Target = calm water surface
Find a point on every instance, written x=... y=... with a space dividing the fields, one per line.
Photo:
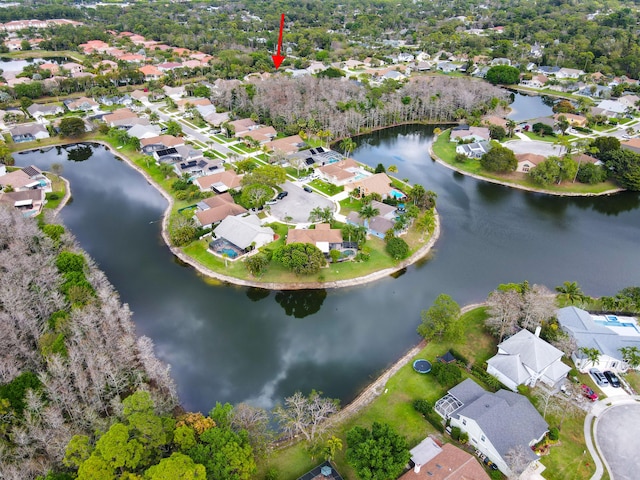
x=234 y=344
x=527 y=107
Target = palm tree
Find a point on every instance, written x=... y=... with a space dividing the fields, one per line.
x=367 y=212
x=347 y=146
x=570 y=293
x=592 y=355
x=511 y=126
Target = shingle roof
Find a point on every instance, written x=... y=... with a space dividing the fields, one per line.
x=534 y=352
x=241 y=231
x=511 y=367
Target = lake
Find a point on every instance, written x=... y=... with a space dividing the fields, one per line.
x=527 y=107
x=233 y=344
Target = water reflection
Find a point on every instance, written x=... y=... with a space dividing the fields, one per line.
x=612 y=205
x=79 y=153
x=257 y=294
x=301 y=303
x=492 y=193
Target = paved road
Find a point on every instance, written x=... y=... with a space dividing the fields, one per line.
x=298 y=204
x=618 y=437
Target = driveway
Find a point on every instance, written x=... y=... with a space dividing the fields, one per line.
x=617 y=434
x=298 y=204
x=546 y=149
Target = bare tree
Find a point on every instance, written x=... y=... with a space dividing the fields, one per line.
x=565 y=343
x=538 y=304
x=255 y=421
x=504 y=309
x=306 y=416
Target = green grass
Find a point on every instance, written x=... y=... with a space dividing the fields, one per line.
x=446 y=151
x=541 y=138
x=235 y=148
x=223 y=139
x=634 y=380
x=327 y=188
x=244 y=148
x=350 y=205
x=395 y=405
x=263 y=156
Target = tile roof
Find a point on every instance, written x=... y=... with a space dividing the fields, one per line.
x=322 y=233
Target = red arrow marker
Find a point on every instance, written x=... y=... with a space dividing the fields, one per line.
x=277 y=58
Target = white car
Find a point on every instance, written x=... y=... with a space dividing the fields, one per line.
x=271 y=202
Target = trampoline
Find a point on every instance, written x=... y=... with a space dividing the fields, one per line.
x=422 y=366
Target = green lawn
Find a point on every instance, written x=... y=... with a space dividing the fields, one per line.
x=223 y=139
x=395 y=405
x=328 y=189
x=350 y=205
x=59 y=189
x=446 y=151
x=236 y=149
x=541 y=138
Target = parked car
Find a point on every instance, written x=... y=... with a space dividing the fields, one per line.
x=613 y=379
x=589 y=393
x=307 y=189
x=599 y=377
x=490 y=464
x=271 y=202
x=282 y=194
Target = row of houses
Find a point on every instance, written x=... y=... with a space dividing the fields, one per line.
x=27 y=187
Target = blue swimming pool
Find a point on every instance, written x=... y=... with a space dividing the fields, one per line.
x=616 y=323
x=396 y=193
x=360 y=176
x=230 y=252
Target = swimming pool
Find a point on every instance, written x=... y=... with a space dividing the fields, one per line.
x=231 y=253
x=396 y=193
x=360 y=176
x=616 y=323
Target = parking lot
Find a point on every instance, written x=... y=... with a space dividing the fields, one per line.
x=298 y=204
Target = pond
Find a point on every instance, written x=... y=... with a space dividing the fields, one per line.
x=527 y=107
x=233 y=344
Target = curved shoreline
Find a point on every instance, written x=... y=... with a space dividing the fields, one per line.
x=177 y=252
x=517 y=186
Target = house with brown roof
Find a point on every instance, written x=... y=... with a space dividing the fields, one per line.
x=378 y=183
x=29 y=202
x=114 y=118
x=526 y=161
x=573 y=119
x=434 y=461
x=261 y=135
x=323 y=236
x=82 y=104
x=193 y=102
x=54 y=68
x=27 y=178
x=495 y=120
x=219 y=182
x=342 y=172
x=161 y=142
x=132 y=58
x=241 y=126
x=150 y=72
x=630 y=101
x=466 y=132
x=582 y=158
x=286 y=145
x=213 y=210
x=632 y=144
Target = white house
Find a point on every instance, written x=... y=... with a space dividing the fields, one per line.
x=244 y=232
x=606 y=333
x=569 y=73
x=525 y=358
x=612 y=108
x=495 y=422
x=473 y=150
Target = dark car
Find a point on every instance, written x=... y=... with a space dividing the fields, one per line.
x=282 y=194
x=490 y=464
x=614 y=381
x=589 y=393
x=307 y=189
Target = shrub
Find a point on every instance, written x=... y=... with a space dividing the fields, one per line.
x=52 y=196
x=455 y=433
x=397 y=248
x=15 y=390
x=272 y=474
x=446 y=374
x=335 y=255
x=464 y=437
x=422 y=406
x=554 y=434
x=70 y=262
x=461 y=158
x=53 y=231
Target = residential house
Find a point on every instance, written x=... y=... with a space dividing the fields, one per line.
x=394 y=75
x=150 y=72
x=191 y=102
x=144 y=131
x=168 y=155
x=213 y=210
x=546 y=70
x=526 y=161
x=219 y=182
x=537 y=81
x=324 y=471
x=27 y=178
x=495 y=120
x=261 y=135
x=630 y=101
x=29 y=132
x=447 y=67
x=605 y=333
x=433 y=461
x=140 y=95
x=212 y=117
x=54 y=68
x=110 y=100
x=168 y=66
x=323 y=236
x=38 y=111
x=467 y=133
x=378 y=183
x=82 y=104
x=175 y=93
x=524 y=358
x=473 y=150
x=378 y=225
x=632 y=144
x=569 y=73
x=238 y=127
x=500 y=61
x=161 y=142
x=116 y=117
x=198 y=167
x=246 y=233
x=611 y=108
x=136 y=58
x=29 y=202
x=582 y=158
x=287 y=145
x=73 y=68
x=341 y=172
x=496 y=423
x=573 y=119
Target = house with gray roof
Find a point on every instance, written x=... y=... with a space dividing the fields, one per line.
x=606 y=333
x=496 y=423
x=29 y=132
x=474 y=149
x=244 y=232
x=38 y=111
x=524 y=358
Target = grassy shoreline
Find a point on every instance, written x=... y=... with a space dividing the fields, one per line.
x=444 y=151
x=337 y=275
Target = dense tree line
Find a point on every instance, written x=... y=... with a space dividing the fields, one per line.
x=343 y=108
x=68 y=348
